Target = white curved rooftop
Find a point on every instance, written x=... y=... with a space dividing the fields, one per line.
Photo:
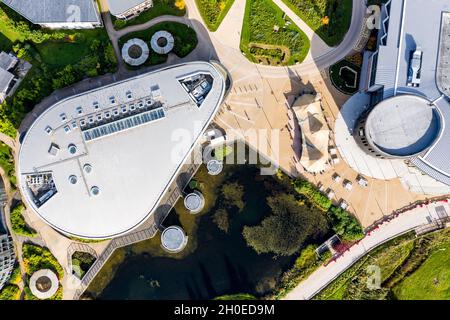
x=403 y=125
x=131 y=164
x=169 y=42
x=133 y=44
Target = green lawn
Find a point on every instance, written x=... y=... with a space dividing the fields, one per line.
x=269 y=38
x=72 y=49
x=185 y=40
x=330 y=19
x=160 y=8
x=411 y=268
x=213 y=11
x=431 y=281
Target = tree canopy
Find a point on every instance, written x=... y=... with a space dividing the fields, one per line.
x=287 y=228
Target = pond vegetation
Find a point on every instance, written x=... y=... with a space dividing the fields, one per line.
x=218 y=259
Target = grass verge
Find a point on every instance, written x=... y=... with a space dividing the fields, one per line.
x=213 y=12
x=269 y=37
x=330 y=19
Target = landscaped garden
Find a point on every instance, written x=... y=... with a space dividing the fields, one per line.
x=11 y=290
x=36 y=258
x=59 y=58
x=213 y=11
x=270 y=37
x=345 y=76
x=18 y=223
x=81 y=263
x=257 y=232
x=411 y=268
x=330 y=19
x=160 y=8
x=184 y=36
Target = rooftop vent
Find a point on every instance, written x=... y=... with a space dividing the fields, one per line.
x=54 y=149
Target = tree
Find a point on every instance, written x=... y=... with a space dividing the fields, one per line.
x=222 y=220
x=233 y=194
x=345 y=225
x=287 y=228
x=64 y=77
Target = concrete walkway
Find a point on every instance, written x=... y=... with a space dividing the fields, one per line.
x=326 y=274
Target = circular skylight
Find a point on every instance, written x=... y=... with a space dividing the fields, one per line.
x=95 y=191
x=87 y=168
x=73 y=179
x=72 y=149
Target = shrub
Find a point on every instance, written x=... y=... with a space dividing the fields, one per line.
x=233 y=194
x=18 y=223
x=36 y=258
x=304 y=265
x=221 y=219
x=237 y=296
x=82 y=262
x=309 y=190
x=345 y=224
x=10 y=292
x=119 y=23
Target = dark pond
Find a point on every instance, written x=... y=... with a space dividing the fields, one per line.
x=221 y=264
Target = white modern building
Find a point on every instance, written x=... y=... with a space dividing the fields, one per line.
x=128 y=9
x=97 y=164
x=407 y=81
x=7 y=255
x=58 y=14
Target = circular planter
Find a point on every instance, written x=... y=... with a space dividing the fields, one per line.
x=44 y=284
x=173 y=239
x=162 y=42
x=135 y=52
x=194 y=202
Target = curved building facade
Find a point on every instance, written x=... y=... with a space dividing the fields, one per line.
x=96 y=165
x=403 y=126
